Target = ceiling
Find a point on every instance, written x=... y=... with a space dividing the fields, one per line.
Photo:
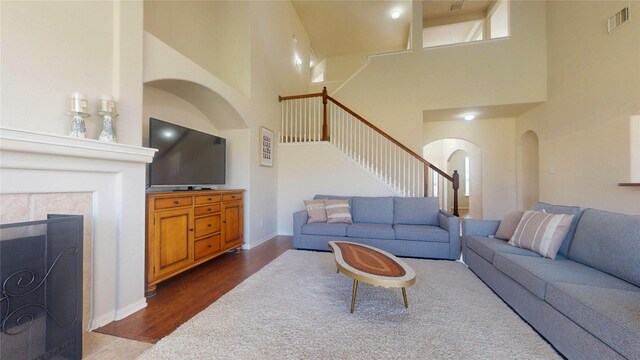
x=341 y=27
x=435 y=9
x=349 y=27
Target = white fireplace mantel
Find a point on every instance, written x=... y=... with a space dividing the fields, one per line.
x=32 y=162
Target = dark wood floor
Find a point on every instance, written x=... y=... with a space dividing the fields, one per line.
x=181 y=297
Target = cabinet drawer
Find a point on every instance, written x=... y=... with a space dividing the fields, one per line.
x=207 y=199
x=172 y=202
x=207 y=225
x=231 y=197
x=206 y=247
x=203 y=210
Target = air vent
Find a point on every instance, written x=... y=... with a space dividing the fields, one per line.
x=618 y=19
x=457 y=5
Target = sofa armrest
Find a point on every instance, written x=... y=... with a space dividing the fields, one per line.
x=471 y=227
x=299 y=218
x=451 y=224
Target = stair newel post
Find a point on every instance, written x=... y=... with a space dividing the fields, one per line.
x=456 y=186
x=325 y=132
x=426 y=179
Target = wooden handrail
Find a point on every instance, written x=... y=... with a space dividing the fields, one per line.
x=396 y=142
x=294 y=97
x=444 y=174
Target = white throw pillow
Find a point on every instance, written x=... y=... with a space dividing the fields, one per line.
x=541 y=232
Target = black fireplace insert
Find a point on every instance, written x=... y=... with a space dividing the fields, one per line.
x=41 y=289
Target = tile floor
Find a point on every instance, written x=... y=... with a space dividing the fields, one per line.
x=96 y=346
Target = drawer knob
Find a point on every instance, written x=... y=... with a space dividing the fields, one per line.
x=176 y=202
x=209 y=225
x=208 y=246
x=190 y=229
x=209 y=199
x=209 y=209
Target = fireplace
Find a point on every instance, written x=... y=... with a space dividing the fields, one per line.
x=58 y=173
x=41 y=288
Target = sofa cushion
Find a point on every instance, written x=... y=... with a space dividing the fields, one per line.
x=609 y=242
x=487 y=248
x=415 y=210
x=541 y=232
x=316 y=211
x=611 y=315
x=533 y=273
x=372 y=210
x=508 y=225
x=421 y=233
x=337 y=229
x=562 y=209
x=338 y=211
x=372 y=231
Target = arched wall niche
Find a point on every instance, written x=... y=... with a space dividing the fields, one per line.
x=219 y=111
x=529 y=170
x=439 y=153
x=167 y=69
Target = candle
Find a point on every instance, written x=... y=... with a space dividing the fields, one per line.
x=107 y=104
x=78 y=102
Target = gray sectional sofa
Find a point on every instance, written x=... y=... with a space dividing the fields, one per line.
x=402 y=226
x=586 y=302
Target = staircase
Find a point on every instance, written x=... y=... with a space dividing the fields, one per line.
x=319 y=117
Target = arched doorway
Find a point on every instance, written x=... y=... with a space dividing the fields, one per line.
x=529 y=170
x=445 y=154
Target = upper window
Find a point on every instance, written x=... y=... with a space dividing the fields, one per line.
x=475 y=21
x=499 y=20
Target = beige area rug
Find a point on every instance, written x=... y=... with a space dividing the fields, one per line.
x=297 y=307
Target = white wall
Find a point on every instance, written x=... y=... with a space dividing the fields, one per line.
x=496 y=139
x=46 y=56
x=594 y=87
x=318 y=168
x=394 y=90
x=214 y=34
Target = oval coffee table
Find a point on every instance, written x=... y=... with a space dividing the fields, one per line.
x=373 y=266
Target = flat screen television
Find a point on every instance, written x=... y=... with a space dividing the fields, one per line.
x=185 y=157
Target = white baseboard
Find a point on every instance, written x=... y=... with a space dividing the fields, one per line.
x=130 y=309
x=258 y=242
x=103 y=320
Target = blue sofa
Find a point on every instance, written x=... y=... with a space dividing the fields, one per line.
x=586 y=302
x=403 y=226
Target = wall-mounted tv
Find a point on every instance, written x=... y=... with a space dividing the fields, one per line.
x=185 y=157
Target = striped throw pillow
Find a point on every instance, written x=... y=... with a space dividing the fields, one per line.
x=316 y=211
x=541 y=232
x=338 y=211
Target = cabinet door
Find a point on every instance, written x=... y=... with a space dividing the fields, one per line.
x=173 y=239
x=232 y=224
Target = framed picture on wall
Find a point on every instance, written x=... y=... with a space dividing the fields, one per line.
x=266 y=146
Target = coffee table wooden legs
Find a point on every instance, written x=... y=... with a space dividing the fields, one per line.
x=355 y=290
x=404 y=296
x=353 y=296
